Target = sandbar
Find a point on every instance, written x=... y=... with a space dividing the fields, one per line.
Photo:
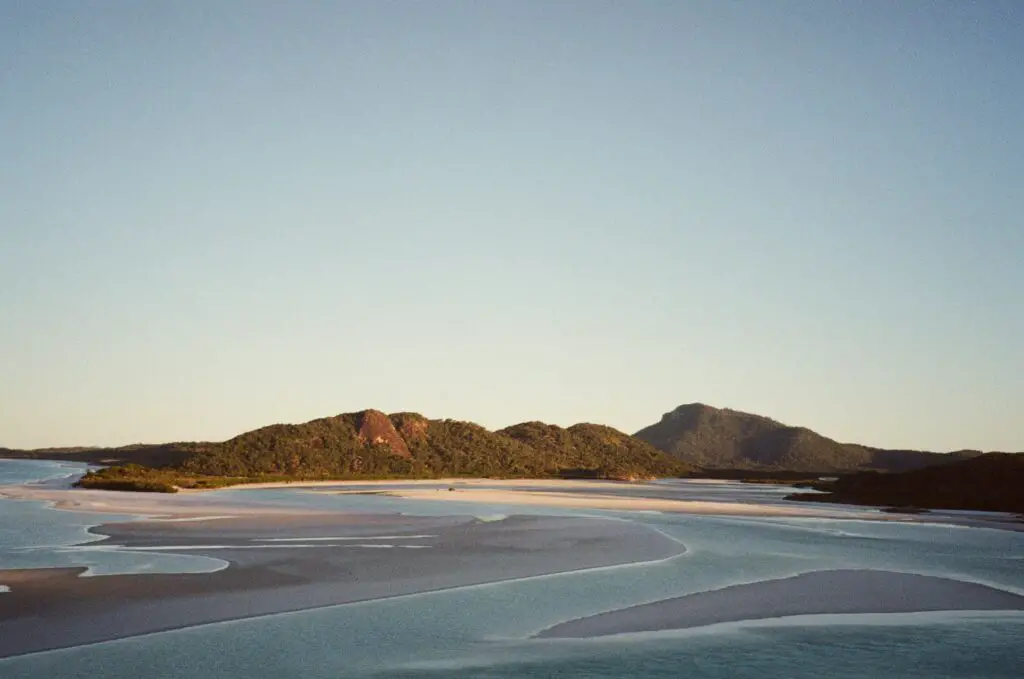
x=197 y=503
x=556 y=493
x=818 y=592
x=298 y=562
x=613 y=502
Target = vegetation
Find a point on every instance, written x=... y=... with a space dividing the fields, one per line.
x=990 y=482
x=372 y=445
x=592 y=450
x=131 y=477
x=149 y=455
x=727 y=439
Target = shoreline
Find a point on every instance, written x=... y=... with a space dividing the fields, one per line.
x=561 y=494
x=468 y=481
x=555 y=493
x=152 y=506
x=614 y=503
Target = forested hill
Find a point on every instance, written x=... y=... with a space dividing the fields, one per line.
x=719 y=438
x=584 y=447
x=146 y=454
x=371 y=444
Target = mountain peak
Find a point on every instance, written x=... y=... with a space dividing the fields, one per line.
x=690 y=408
x=689 y=412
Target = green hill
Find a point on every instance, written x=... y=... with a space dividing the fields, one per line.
x=147 y=454
x=370 y=444
x=990 y=482
x=594 y=450
x=718 y=438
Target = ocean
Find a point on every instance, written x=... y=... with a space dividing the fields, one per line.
x=486 y=630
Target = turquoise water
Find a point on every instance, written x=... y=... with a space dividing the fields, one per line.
x=32 y=535
x=485 y=630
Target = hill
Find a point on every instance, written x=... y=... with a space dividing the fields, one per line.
x=719 y=438
x=149 y=455
x=989 y=482
x=585 y=447
x=370 y=444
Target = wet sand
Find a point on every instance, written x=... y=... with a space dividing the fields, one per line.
x=820 y=592
x=297 y=562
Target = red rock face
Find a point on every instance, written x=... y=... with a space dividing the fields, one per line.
x=411 y=426
x=375 y=428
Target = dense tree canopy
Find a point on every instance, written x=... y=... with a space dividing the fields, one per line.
x=370 y=444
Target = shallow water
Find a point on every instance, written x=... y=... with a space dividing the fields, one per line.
x=486 y=630
x=33 y=535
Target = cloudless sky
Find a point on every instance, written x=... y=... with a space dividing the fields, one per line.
x=219 y=215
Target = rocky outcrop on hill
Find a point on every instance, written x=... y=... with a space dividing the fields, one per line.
x=375 y=428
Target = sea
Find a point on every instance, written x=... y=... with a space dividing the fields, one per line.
x=486 y=630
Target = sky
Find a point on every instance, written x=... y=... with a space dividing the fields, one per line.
x=217 y=215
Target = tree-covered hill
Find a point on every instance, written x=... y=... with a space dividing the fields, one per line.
x=371 y=444
x=593 y=449
x=720 y=438
x=147 y=454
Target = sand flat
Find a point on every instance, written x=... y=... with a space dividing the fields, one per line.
x=292 y=563
x=818 y=592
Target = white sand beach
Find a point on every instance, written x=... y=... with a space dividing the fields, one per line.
x=525 y=492
x=141 y=504
x=513 y=496
x=456 y=482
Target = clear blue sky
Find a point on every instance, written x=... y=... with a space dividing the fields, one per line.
x=220 y=215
